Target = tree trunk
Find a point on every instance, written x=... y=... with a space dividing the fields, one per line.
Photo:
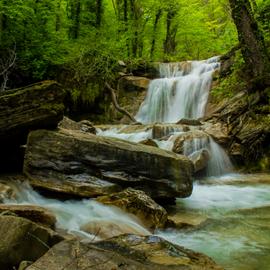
x=58 y=16
x=250 y=38
x=153 y=43
x=170 y=43
x=75 y=18
x=98 y=13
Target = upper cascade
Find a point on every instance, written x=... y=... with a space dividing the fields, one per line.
x=181 y=92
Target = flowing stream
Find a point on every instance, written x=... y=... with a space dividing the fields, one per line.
x=230 y=212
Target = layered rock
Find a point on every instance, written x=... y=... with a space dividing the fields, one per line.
x=34 y=213
x=76 y=163
x=125 y=252
x=84 y=125
x=21 y=110
x=138 y=203
x=22 y=240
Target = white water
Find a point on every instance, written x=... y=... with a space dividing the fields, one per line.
x=71 y=215
x=182 y=92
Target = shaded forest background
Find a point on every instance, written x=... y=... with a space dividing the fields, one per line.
x=80 y=42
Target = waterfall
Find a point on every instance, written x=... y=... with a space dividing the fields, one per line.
x=219 y=162
x=181 y=92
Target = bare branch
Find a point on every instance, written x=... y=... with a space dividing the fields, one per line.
x=117 y=106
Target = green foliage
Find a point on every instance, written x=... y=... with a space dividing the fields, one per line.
x=91 y=40
x=228 y=86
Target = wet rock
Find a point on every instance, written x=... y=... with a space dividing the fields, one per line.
x=84 y=125
x=189 y=122
x=184 y=143
x=23 y=240
x=21 y=110
x=6 y=192
x=128 y=252
x=136 y=202
x=200 y=159
x=133 y=83
x=74 y=162
x=34 y=213
x=183 y=220
x=163 y=130
x=104 y=229
x=149 y=142
x=218 y=131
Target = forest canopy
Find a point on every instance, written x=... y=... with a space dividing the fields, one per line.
x=48 y=33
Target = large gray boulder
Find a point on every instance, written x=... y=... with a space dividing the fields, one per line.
x=128 y=252
x=87 y=165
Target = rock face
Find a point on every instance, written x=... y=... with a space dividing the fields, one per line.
x=21 y=110
x=34 y=213
x=22 y=240
x=127 y=252
x=138 y=203
x=74 y=162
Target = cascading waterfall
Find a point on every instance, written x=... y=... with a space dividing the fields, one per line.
x=181 y=92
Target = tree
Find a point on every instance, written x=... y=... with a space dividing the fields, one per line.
x=251 y=39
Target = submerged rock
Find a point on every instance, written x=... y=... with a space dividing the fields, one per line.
x=138 y=203
x=104 y=229
x=23 y=240
x=34 y=213
x=86 y=165
x=128 y=252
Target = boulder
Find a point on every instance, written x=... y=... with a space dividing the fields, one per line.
x=189 y=122
x=163 y=130
x=185 y=143
x=149 y=142
x=87 y=165
x=133 y=83
x=104 y=229
x=218 y=131
x=136 y=202
x=128 y=252
x=21 y=110
x=200 y=159
x=23 y=240
x=34 y=213
x=84 y=125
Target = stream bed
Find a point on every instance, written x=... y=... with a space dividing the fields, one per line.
x=235 y=214
x=231 y=213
